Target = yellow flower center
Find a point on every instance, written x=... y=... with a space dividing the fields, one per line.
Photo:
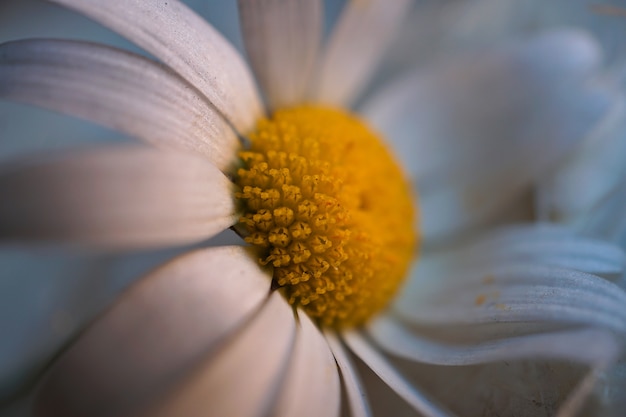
x=329 y=210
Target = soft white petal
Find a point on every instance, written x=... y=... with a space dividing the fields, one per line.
x=385 y=371
x=473 y=160
x=117 y=89
x=161 y=327
x=357 y=397
x=517 y=275
x=282 y=41
x=188 y=44
x=514 y=294
x=311 y=387
x=570 y=345
x=117 y=197
x=494 y=292
x=241 y=379
x=539 y=244
x=355 y=48
x=588 y=177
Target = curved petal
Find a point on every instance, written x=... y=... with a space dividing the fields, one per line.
x=116 y=89
x=472 y=160
x=311 y=387
x=515 y=294
x=116 y=197
x=359 y=406
x=588 y=178
x=161 y=327
x=539 y=244
x=243 y=378
x=282 y=40
x=354 y=50
x=184 y=41
x=570 y=345
x=385 y=371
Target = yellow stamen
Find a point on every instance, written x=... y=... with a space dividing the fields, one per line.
x=329 y=210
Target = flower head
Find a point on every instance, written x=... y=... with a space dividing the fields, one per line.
x=328 y=216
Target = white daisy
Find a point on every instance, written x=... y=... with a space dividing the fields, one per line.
x=263 y=329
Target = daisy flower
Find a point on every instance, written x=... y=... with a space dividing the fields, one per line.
x=330 y=270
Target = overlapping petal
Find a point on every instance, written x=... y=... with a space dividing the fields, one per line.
x=117 y=89
x=365 y=29
x=162 y=328
x=355 y=392
x=473 y=159
x=241 y=379
x=311 y=387
x=117 y=197
x=282 y=41
x=189 y=45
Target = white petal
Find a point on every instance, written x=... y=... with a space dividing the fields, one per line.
x=161 y=327
x=311 y=386
x=472 y=160
x=354 y=50
x=570 y=345
x=539 y=244
x=589 y=176
x=117 y=197
x=515 y=293
x=184 y=41
x=385 y=371
x=282 y=40
x=359 y=406
x=243 y=377
x=117 y=89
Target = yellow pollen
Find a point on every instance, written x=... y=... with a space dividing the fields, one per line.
x=329 y=210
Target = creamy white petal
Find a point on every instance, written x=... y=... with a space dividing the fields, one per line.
x=118 y=197
x=311 y=386
x=159 y=329
x=568 y=344
x=471 y=159
x=364 y=30
x=357 y=397
x=116 y=89
x=282 y=40
x=188 y=44
x=243 y=378
x=386 y=372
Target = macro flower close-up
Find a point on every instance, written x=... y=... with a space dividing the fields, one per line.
x=399 y=209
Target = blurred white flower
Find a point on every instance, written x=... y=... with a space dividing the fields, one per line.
x=207 y=333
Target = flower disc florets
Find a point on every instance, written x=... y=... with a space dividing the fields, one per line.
x=330 y=211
